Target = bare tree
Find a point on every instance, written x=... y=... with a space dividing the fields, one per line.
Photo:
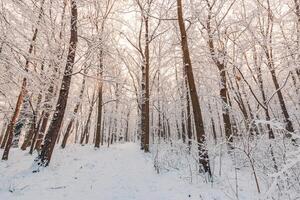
x=203 y=154
x=55 y=125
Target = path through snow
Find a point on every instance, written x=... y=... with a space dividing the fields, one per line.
x=121 y=172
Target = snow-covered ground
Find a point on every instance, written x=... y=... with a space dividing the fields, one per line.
x=121 y=172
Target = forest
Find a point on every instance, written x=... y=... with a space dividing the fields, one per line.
x=150 y=99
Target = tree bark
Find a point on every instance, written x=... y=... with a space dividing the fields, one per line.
x=145 y=137
x=9 y=130
x=203 y=153
x=222 y=71
x=70 y=125
x=188 y=111
x=85 y=134
x=99 y=108
x=55 y=125
x=2 y=133
x=22 y=92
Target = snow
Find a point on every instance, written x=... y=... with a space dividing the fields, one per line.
x=121 y=172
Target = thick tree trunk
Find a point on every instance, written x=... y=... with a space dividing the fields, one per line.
x=55 y=125
x=203 y=153
x=51 y=92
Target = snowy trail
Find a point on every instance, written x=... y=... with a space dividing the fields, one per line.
x=121 y=172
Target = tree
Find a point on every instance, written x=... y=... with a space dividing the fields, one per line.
x=76 y=108
x=55 y=125
x=203 y=154
x=10 y=127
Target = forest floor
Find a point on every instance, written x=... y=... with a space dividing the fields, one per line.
x=121 y=172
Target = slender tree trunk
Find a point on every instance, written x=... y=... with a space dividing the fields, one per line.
x=100 y=93
x=9 y=130
x=99 y=110
x=76 y=131
x=4 y=136
x=109 y=132
x=29 y=135
x=21 y=121
x=85 y=134
x=268 y=50
x=2 y=133
x=188 y=111
x=70 y=125
x=145 y=91
x=36 y=131
x=222 y=70
x=115 y=123
x=127 y=127
x=288 y=122
x=213 y=126
x=297 y=12
x=266 y=109
x=42 y=130
x=103 y=129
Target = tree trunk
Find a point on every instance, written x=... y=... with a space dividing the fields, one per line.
x=4 y=136
x=55 y=125
x=35 y=133
x=297 y=12
x=100 y=93
x=99 y=107
x=21 y=121
x=22 y=93
x=222 y=71
x=288 y=122
x=70 y=125
x=10 y=127
x=188 y=111
x=30 y=134
x=2 y=133
x=127 y=127
x=85 y=134
x=145 y=136
x=203 y=153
